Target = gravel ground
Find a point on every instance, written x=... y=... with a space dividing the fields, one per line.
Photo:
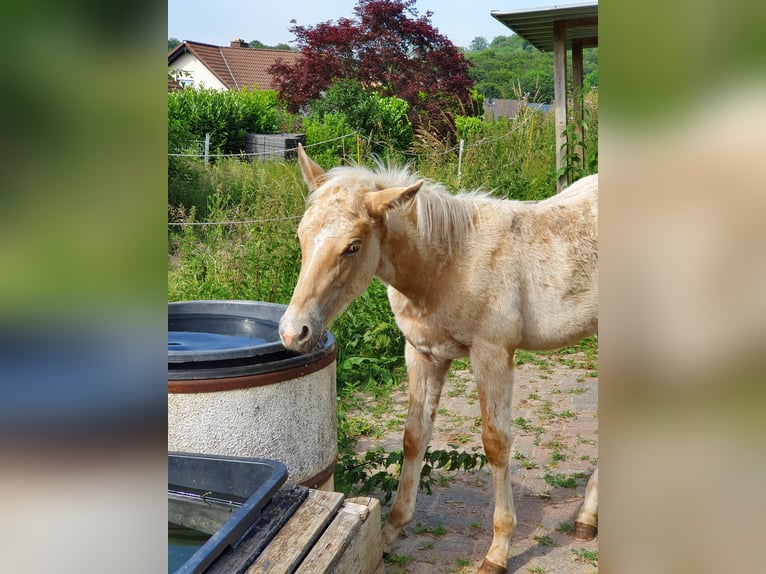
x=555 y=436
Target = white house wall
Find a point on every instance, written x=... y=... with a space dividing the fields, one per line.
x=203 y=78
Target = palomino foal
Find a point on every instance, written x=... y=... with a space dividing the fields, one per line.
x=467 y=275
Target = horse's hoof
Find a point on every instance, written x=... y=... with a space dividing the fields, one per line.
x=488 y=567
x=584 y=531
x=387 y=536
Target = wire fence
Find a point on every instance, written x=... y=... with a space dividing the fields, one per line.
x=460 y=148
x=201 y=153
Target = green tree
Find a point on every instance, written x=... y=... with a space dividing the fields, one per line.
x=172 y=43
x=479 y=43
x=511 y=67
x=261 y=45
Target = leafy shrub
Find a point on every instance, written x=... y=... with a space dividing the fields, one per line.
x=371 y=346
x=370 y=472
x=226 y=115
x=325 y=138
x=381 y=120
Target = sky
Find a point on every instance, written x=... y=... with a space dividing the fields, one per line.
x=221 y=21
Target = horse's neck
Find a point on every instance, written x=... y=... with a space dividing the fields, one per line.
x=410 y=263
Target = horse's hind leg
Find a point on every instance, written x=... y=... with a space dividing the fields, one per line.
x=493 y=369
x=586 y=524
x=426 y=377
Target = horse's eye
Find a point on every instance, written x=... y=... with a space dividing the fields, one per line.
x=353 y=248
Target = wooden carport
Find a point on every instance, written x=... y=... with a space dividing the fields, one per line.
x=557 y=29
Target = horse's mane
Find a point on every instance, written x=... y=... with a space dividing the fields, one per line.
x=442 y=216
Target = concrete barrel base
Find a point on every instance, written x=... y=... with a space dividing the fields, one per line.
x=287 y=414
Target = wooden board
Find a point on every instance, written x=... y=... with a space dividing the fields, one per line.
x=351 y=544
x=296 y=538
x=283 y=504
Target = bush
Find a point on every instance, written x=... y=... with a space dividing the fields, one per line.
x=226 y=115
x=381 y=120
x=325 y=138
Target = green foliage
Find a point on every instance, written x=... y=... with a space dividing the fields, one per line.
x=382 y=120
x=585 y=555
x=373 y=346
x=543 y=540
x=468 y=126
x=513 y=158
x=257 y=261
x=370 y=472
x=329 y=138
x=509 y=62
x=580 y=157
x=559 y=480
x=262 y=46
x=226 y=115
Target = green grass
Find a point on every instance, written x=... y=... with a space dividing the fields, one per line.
x=543 y=540
x=585 y=555
x=399 y=560
x=558 y=480
x=438 y=531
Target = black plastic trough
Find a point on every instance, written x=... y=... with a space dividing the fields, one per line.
x=218 y=495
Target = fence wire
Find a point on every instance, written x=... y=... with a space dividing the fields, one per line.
x=457 y=148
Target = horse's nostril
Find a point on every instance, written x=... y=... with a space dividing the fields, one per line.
x=305 y=334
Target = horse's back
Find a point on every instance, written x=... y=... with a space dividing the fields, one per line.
x=584 y=189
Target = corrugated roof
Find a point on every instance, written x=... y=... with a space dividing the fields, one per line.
x=236 y=67
x=536 y=26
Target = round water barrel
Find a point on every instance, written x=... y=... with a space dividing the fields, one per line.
x=234 y=390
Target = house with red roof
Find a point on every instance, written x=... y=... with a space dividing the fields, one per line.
x=194 y=64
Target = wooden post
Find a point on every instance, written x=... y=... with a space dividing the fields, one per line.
x=560 y=96
x=577 y=93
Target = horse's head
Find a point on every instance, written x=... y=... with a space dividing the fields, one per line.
x=340 y=237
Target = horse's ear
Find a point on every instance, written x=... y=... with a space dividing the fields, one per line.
x=378 y=202
x=313 y=175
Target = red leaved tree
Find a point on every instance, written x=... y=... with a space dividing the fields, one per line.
x=388 y=47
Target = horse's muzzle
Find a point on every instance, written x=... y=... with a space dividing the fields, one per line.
x=298 y=335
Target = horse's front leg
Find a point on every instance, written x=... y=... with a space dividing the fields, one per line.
x=493 y=370
x=426 y=376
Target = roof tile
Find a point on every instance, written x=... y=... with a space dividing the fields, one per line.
x=237 y=67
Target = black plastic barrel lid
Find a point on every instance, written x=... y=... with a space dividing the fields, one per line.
x=222 y=339
x=216 y=331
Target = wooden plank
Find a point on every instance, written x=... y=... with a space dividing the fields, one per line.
x=560 y=95
x=288 y=548
x=351 y=544
x=327 y=551
x=585 y=22
x=365 y=553
x=275 y=514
